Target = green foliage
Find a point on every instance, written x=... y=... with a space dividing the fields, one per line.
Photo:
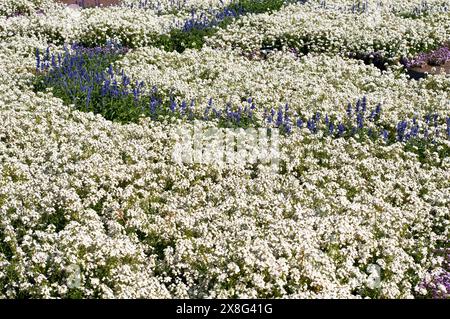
x=260 y=6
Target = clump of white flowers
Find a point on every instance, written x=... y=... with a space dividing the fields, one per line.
x=97 y=209
x=91 y=26
x=308 y=84
x=177 y=6
x=24 y=7
x=315 y=28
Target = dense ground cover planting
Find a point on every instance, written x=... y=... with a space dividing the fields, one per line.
x=94 y=201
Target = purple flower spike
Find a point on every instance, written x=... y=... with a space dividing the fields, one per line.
x=349 y=109
x=448 y=127
x=360 y=121
x=331 y=128
x=38 y=59
x=341 y=129
x=279 y=120
x=385 y=135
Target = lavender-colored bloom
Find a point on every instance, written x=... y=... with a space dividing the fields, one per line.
x=287 y=119
x=153 y=104
x=341 y=129
x=53 y=61
x=349 y=109
x=299 y=123
x=183 y=106
x=104 y=89
x=38 y=59
x=385 y=135
x=372 y=115
x=436 y=132
x=407 y=137
x=47 y=54
x=364 y=104
x=237 y=116
x=378 y=109
x=135 y=94
x=279 y=120
x=217 y=114
x=317 y=116
x=414 y=131
x=331 y=128
x=360 y=121
x=110 y=71
x=401 y=128
x=288 y=128
x=448 y=127
x=115 y=89
x=206 y=112
x=228 y=110
x=286 y=113
x=311 y=125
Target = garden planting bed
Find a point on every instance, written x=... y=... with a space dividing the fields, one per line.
x=224 y=149
x=91 y=3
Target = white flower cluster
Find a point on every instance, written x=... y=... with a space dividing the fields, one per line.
x=93 y=208
x=13 y=7
x=177 y=6
x=401 y=7
x=91 y=26
x=131 y=25
x=317 y=29
x=309 y=84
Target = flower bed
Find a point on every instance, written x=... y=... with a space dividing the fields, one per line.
x=91 y=3
x=116 y=181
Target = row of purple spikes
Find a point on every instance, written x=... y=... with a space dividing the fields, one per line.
x=356 y=123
